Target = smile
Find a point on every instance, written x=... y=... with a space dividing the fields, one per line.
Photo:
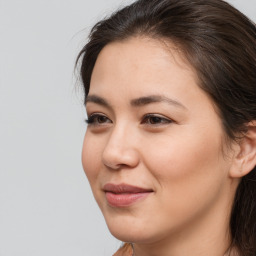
x=124 y=195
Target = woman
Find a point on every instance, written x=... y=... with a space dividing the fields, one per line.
x=170 y=148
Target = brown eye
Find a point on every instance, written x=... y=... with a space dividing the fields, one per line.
x=101 y=119
x=97 y=119
x=152 y=119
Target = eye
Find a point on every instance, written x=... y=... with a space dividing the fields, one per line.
x=153 y=119
x=97 y=119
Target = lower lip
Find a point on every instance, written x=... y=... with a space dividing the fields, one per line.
x=123 y=200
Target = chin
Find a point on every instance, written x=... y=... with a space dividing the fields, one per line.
x=133 y=231
x=127 y=230
x=129 y=235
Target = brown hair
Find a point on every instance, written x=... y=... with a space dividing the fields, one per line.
x=220 y=43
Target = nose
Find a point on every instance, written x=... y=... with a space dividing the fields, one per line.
x=121 y=149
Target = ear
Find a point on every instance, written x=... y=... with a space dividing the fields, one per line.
x=245 y=159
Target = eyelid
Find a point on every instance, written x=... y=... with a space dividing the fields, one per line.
x=161 y=117
x=91 y=119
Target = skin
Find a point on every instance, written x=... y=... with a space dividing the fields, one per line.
x=178 y=155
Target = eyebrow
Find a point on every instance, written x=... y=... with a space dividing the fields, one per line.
x=139 y=102
x=142 y=101
x=98 y=100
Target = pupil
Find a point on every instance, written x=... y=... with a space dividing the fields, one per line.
x=101 y=119
x=155 y=119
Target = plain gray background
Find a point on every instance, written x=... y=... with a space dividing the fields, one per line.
x=46 y=206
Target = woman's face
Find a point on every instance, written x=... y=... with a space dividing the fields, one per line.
x=153 y=147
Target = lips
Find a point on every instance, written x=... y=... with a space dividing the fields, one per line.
x=123 y=195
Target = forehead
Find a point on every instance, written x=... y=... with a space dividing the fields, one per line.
x=139 y=65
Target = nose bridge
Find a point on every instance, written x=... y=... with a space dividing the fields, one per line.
x=118 y=136
x=121 y=147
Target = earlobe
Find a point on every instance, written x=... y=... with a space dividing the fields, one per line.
x=245 y=159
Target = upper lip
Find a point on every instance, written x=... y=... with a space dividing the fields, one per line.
x=124 y=188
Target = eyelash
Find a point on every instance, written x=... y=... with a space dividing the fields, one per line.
x=147 y=119
x=159 y=120
x=92 y=119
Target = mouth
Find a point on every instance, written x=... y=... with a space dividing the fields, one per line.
x=124 y=195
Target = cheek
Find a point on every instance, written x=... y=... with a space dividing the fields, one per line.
x=187 y=167
x=90 y=158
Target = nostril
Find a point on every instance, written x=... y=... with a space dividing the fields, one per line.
x=112 y=165
x=116 y=159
